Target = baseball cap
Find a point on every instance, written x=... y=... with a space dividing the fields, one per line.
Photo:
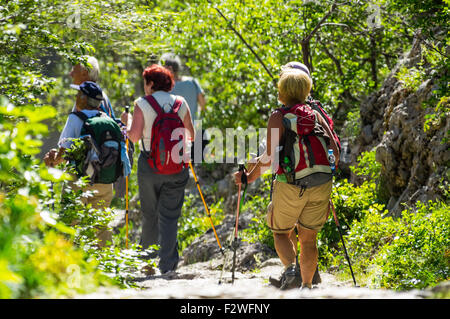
x=89 y=88
x=296 y=65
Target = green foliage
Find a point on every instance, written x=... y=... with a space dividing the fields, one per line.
x=258 y=231
x=194 y=220
x=367 y=166
x=344 y=53
x=412 y=78
x=386 y=252
x=405 y=253
x=35 y=254
x=352 y=126
x=426 y=15
x=438 y=104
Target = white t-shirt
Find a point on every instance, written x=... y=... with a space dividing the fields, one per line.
x=165 y=100
x=72 y=129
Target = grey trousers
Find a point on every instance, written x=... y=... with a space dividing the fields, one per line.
x=162 y=197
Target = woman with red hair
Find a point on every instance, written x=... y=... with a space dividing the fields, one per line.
x=161 y=193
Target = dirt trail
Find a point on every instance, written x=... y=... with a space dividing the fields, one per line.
x=201 y=281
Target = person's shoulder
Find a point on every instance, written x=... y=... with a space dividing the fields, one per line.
x=178 y=97
x=186 y=78
x=276 y=118
x=276 y=114
x=141 y=102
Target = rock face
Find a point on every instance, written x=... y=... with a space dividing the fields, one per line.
x=415 y=163
x=205 y=247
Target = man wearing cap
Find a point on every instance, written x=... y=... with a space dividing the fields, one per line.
x=91 y=72
x=88 y=99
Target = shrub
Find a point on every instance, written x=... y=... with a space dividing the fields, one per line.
x=194 y=221
x=418 y=255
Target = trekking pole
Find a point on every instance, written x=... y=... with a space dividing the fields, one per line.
x=206 y=207
x=52 y=196
x=342 y=239
x=235 y=243
x=127 y=110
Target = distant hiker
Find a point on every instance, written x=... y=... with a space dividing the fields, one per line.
x=157 y=121
x=105 y=159
x=189 y=88
x=297 y=142
x=91 y=72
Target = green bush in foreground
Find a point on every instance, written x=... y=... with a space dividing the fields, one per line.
x=418 y=254
x=404 y=253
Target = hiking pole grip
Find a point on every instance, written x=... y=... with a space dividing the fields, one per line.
x=244 y=174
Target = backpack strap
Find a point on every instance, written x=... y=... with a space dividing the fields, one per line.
x=152 y=101
x=176 y=105
x=154 y=104
x=80 y=115
x=84 y=117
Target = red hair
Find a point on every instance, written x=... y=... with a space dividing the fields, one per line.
x=161 y=77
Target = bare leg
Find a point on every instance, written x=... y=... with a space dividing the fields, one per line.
x=285 y=248
x=309 y=254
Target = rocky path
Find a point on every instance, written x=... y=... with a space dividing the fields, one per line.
x=201 y=281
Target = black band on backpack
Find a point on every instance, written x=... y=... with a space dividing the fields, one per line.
x=311 y=158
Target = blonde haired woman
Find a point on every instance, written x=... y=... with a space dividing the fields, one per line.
x=292 y=205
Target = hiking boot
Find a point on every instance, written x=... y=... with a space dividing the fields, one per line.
x=316 y=278
x=278 y=282
x=291 y=279
x=307 y=287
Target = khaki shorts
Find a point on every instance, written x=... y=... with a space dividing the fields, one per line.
x=287 y=208
x=102 y=194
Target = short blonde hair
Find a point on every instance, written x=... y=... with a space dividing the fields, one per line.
x=294 y=86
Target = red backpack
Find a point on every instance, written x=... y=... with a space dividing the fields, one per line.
x=304 y=149
x=317 y=106
x=162 y=157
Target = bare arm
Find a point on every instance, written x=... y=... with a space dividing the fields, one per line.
x=201 y=101
x=135 y=129
x=187 y=121
x=274 y=132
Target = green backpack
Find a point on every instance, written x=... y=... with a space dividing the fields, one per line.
x=102 y=159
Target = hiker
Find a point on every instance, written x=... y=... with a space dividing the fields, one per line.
x=87 y=104
x=189 y=88
x=316 y=105
x=91 y=72
x=162 y=177
x=300 y=197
